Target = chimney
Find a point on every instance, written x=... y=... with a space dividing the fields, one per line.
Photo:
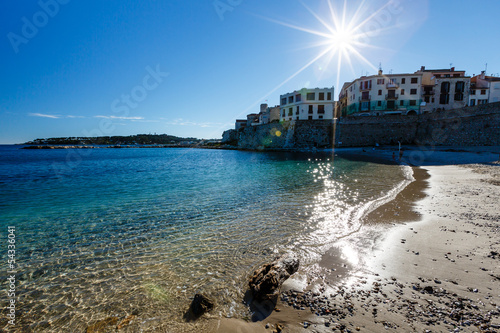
x=380 y=71
x=483 y=75
x=452 y=69
x=422 y=68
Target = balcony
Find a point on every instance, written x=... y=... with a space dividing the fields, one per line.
x=365 y=99
x=392 y=85
x=428 y=92
x=391 y=97
x=362 y=88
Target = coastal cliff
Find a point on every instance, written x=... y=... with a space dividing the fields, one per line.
x=469 y=126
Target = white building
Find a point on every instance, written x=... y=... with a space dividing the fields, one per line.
x=484 y=89
x=307 y=104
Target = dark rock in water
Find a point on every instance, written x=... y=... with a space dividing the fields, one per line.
x=266 y=282
x=199 y=306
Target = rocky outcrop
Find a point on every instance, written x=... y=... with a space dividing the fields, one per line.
x=200 y=305
x=265 y=283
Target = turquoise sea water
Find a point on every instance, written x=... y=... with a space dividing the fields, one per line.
x=111 y=232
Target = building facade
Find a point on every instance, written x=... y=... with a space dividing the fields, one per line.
x=381 y=94
x=307 y=104
x=252 y=119
x=484 y=89
x=240 y=123
x=405 y=94
x=444 y=89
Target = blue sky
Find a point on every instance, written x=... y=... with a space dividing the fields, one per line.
x=190 y=68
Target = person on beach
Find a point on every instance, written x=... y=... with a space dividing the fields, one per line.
x=393 y=156
x=400 y=154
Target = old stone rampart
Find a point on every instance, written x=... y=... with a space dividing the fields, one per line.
x=469 y=126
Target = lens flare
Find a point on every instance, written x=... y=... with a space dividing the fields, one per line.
x=345 y=34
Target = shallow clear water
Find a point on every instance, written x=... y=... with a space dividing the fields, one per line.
x=107 y=232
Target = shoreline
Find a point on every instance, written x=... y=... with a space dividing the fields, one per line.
x=406 y=281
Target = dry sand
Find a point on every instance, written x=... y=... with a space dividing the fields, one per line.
x=438 y=274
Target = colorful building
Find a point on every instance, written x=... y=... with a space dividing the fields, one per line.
x=381 y=94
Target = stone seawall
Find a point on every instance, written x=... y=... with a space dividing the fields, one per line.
x=470 y=126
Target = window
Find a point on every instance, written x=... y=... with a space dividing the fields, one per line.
x=445 y=87
x=391 y=105
x=365 y=85
x=403 y=80
x=427 y=99
x=483 y=92
x=414 y=80
x=413 y=102
x=472 y=102
x=311 y=96
x=321 y=109
x=444 y=98
x=380 y=92
x=298 y=98
x=401 y=103
x=459 y=90
x=380 y=81
x=310 y=109
x=320 y=117
x=290 y=99
x=310 y=117
x=481 y=101
x=402 y=92
x=379 y=103
x=283 y=114
x=392 y=81
x=297 y=111
x=456 y=75
x=329 y=96
x=290 y=111
x=473 y=92
x=413 y=91
x=321 y=96
x=283 y=101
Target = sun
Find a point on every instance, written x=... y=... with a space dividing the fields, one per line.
x=343 y=37
x=343 y=40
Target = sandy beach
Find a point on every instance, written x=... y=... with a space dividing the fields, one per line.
x=434 y=267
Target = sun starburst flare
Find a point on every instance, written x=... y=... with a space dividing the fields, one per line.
x=345 y=35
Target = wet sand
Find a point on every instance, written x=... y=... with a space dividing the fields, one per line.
x=434 y=266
